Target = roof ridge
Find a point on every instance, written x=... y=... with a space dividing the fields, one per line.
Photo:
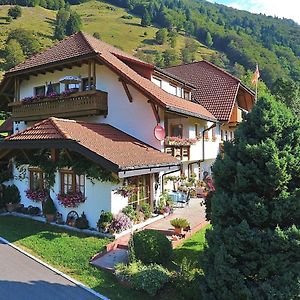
x=54 y=120
x=83 y=34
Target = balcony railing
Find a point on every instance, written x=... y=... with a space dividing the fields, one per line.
x=75 y=105
x=180 y=152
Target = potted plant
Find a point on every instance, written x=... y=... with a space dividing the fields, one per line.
x=179 y=224
x=82 y=222
x=49 y=209
x=104 y=221
x=11 y=197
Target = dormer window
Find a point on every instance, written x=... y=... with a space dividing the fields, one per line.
x=157 y=81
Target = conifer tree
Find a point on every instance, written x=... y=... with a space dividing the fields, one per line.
x=208 y=40
x=146 y=19
x=14 y=53
x=74 y=23
x=253 y=247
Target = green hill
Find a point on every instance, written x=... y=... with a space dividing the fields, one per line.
x=114 y=25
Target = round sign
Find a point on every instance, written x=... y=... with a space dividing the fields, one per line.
x=159 y=132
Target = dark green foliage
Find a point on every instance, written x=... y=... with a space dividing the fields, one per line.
x=15 y=12
x=74 y=23
x=146 y=19
x=49 y=4
x=170 y=58
x=2 y=200
x=11 y=194
x=151 y=279
x=82 y=222
x=104 y=221
x=13 y=53
x=254 y=245
x=151 y=246
x=26 y=38
x=49 y=207
x=146 y=210
x=186 y=280
x=130 y=212
x=62 y=18
x=208 y=40
x=97 y=35
x=161 y=36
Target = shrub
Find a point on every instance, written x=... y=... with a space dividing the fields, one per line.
x=151 y=246
x=180 y=223
x=187 y=280
x=33 y=210
x=82 y=222
x=130 y=212
x=104 y=221
x=120 y=223
x=11 y=194
x=49 y=207
x=15 y=12
x=151 y=279
x=146 y=210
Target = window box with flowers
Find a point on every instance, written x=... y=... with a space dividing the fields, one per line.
x=36 y=195
x=71 y=199
x=178 y=141
x=36 y=191
x=72 y=189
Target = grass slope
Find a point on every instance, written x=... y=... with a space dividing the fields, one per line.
x=70 y=252
x=97 y=16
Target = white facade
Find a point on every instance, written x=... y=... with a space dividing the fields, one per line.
x=135 y=118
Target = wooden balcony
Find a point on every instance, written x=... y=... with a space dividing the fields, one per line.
x=79 y=104
x=180 y=152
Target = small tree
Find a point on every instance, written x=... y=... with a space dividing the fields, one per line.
x=161 y=36
x=74 y=23
x=254 y=245
x=208 y=40
x=15 y=12
x=14 y=53
x=170 y=57
x=146 y=19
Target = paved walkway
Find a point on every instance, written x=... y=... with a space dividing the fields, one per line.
x=194 y=213
x=22 y=278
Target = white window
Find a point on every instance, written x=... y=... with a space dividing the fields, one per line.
x=157 y=81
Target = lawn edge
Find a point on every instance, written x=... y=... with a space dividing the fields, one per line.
x=81 y=285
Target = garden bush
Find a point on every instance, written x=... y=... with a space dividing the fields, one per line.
x=11 y=194
x=104 y=221
x=82 y=222
x=146 y=210
x=120 y=223
x=151 y=246
x=149 y=278
x=49 y=207
x=131 y=212
x=187 y=280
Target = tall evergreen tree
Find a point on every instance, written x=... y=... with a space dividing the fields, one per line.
x=146 y=18
x=14 y=53
x=208 y=40
x=61 y=21
x=74 y=23
x=253 y=247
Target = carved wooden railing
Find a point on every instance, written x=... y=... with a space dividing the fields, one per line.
x=75 y=105
x=180 y=152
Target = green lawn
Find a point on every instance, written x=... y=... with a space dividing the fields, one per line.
x=70 y=252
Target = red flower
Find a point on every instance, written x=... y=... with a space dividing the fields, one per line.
x=71 y=199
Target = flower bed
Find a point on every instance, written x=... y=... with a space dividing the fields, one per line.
x=71 y=199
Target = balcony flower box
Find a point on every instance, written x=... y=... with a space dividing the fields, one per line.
x=178 y=141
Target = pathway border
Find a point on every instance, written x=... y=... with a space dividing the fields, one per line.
x=81 y=285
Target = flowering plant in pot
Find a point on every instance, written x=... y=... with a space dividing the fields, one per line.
x=49 y=209
x=120 y=223
x=71 y=199
x=179 y=224
x=36 y=196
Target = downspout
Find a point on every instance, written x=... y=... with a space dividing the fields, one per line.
x=203 y=147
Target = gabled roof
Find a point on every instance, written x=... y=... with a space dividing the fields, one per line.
x=121 y=150
x=77 y=45
x=216 y=89
x=82 y=44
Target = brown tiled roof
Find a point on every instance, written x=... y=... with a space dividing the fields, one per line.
x=81 y=44
x=7 y=125
x=106 y=141
x=215 y=89
x=166 y=100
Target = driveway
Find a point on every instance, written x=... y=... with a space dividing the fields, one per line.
x=22 y=278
